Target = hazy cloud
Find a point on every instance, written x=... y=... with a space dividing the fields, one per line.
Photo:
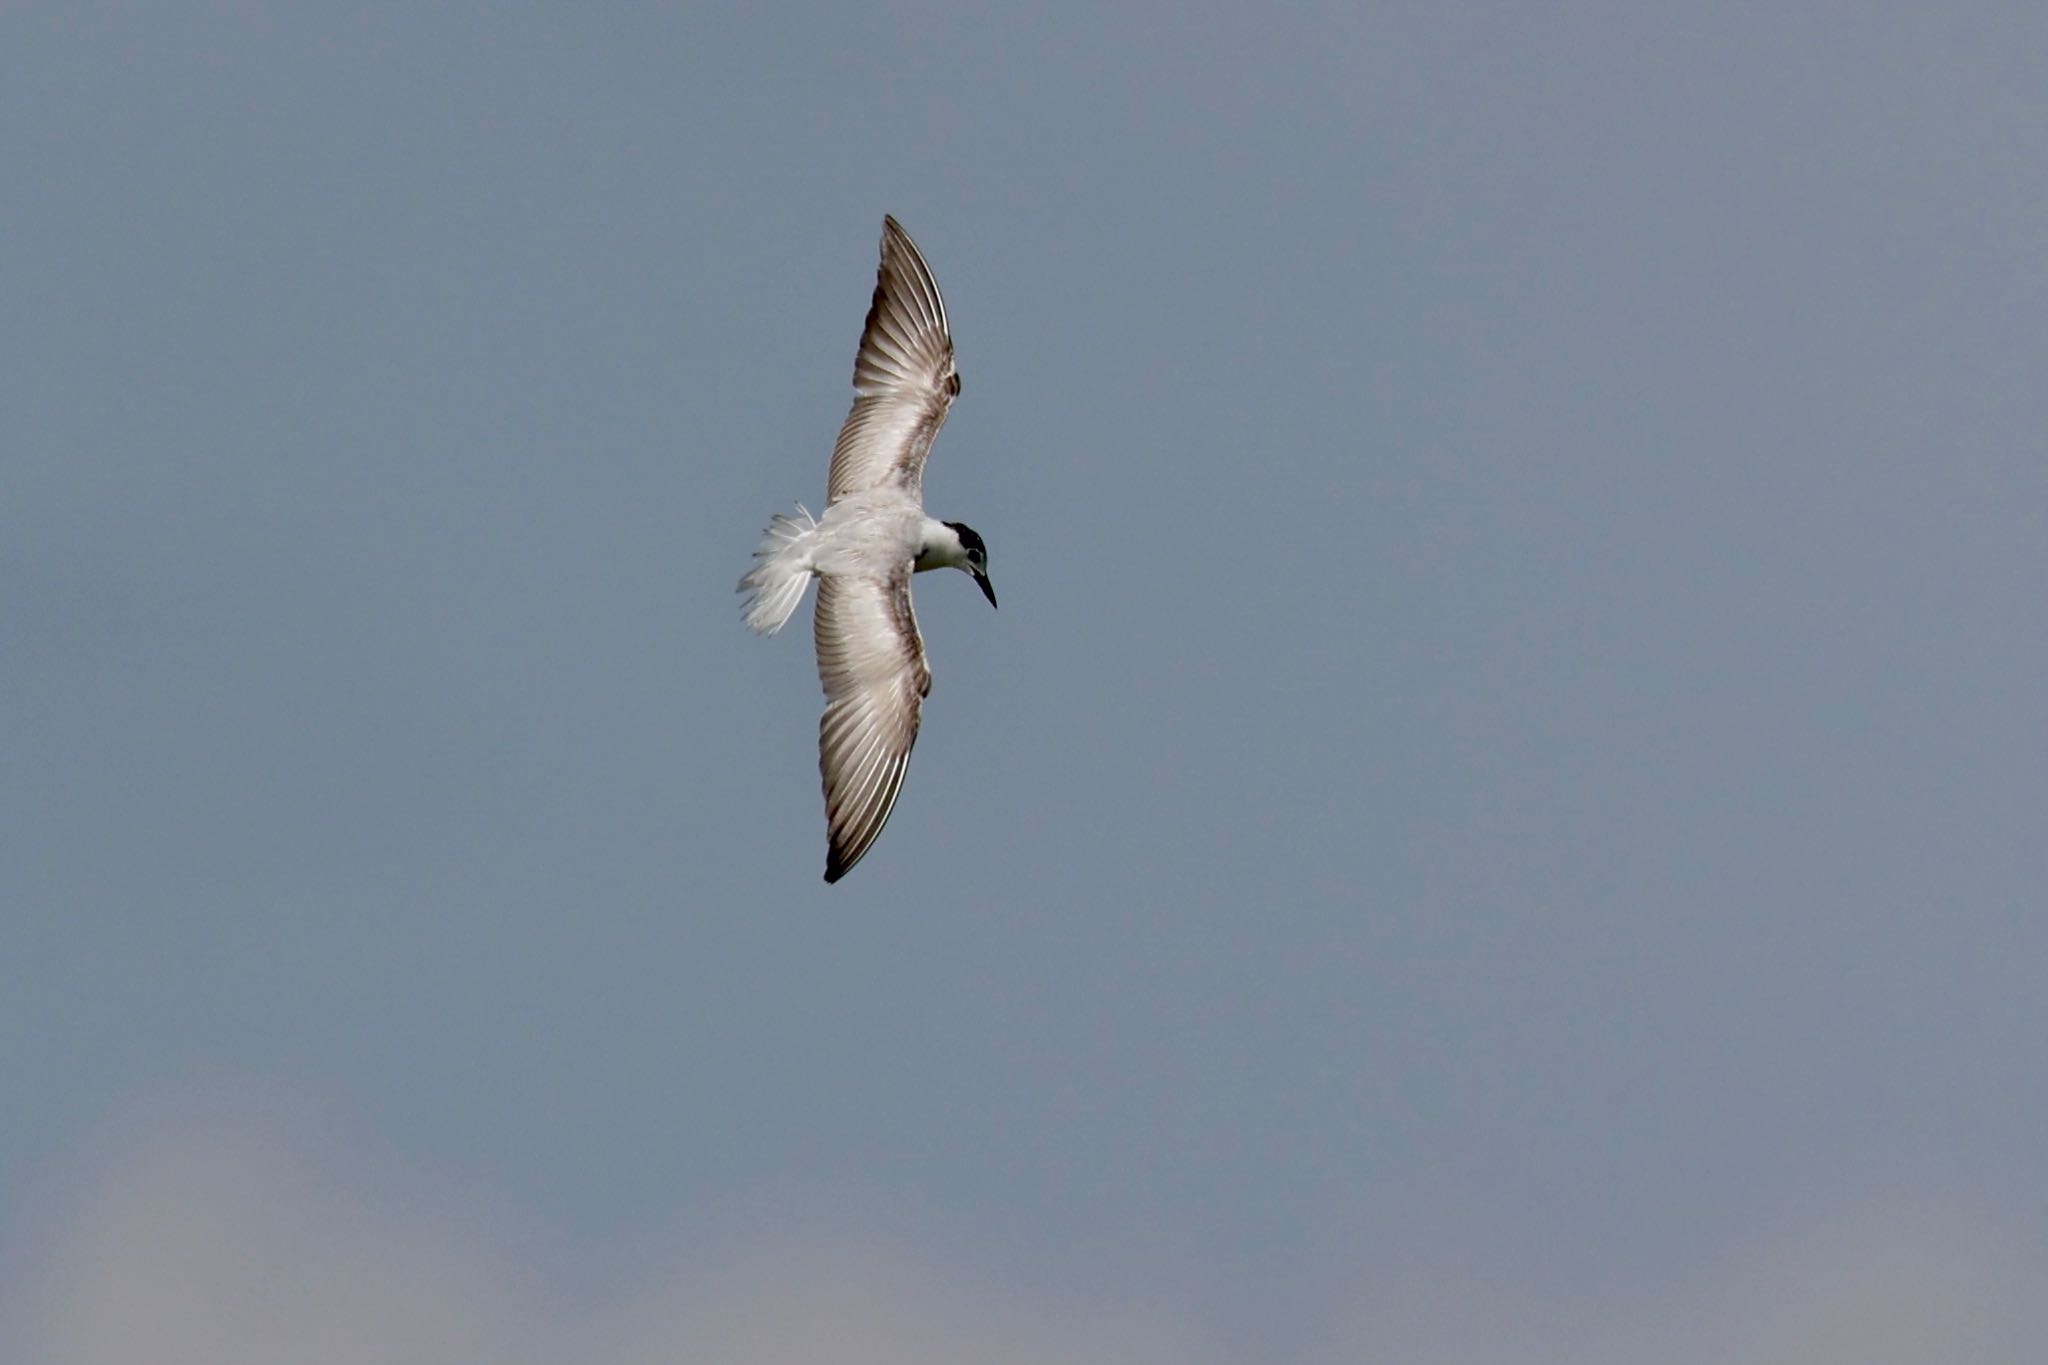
x=223 y=1243
x=228 y=1241
x=1893 y=1281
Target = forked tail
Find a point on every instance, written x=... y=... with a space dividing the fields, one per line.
x=781 y=572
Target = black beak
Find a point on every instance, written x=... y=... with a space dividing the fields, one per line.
x=988 y=589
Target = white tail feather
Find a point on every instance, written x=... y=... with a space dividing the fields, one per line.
x=781 y=572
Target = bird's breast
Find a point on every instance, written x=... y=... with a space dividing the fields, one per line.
x=863 y=534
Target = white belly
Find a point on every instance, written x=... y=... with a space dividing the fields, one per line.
x=868 y=533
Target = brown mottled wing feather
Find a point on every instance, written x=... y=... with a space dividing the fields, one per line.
x=871 y=660
x=903 y=377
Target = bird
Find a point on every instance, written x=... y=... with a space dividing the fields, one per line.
x=873 y=536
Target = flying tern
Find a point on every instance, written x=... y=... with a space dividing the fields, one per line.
x=873 y=536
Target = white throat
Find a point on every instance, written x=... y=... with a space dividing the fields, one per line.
x=941 y=548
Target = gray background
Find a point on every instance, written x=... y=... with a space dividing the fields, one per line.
x=1500 y=817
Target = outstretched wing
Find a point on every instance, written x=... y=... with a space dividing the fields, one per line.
x=903 y=377
x=871 y=660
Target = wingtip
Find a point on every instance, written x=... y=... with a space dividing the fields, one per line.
x=839 y=860
x=894 y=232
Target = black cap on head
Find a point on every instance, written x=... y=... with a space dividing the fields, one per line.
x=977 y=558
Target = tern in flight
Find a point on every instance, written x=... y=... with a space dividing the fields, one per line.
x=873 y=536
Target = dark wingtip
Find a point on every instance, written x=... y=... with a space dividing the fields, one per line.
x=837 y=864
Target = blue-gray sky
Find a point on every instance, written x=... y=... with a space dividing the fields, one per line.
x=1500 y=817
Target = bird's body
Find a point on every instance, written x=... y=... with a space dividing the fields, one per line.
x=873 y=536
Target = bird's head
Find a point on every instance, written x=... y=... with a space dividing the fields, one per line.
x=973 y=557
